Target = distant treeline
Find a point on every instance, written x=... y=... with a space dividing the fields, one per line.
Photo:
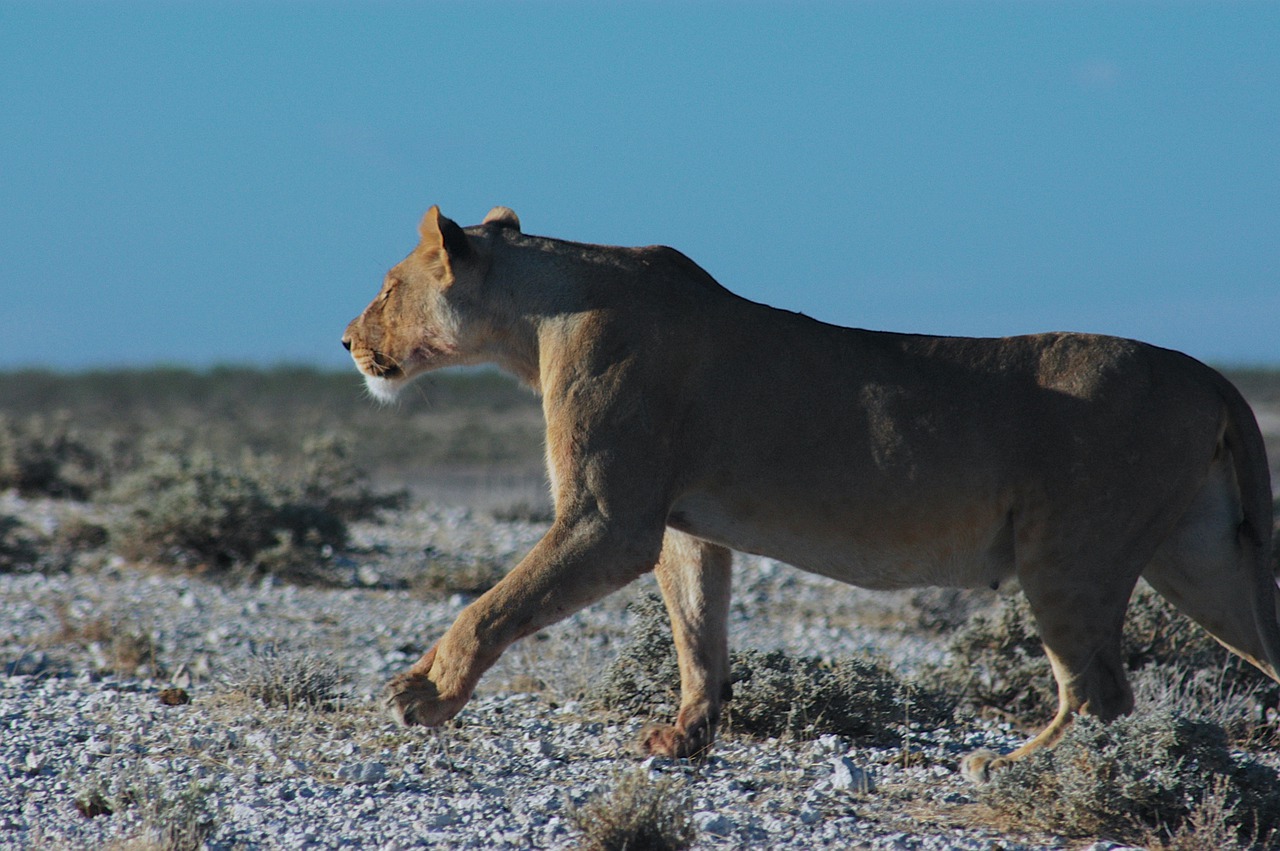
x=116 y=390
x=466 y=416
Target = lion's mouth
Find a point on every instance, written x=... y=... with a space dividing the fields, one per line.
x=377 y=364
x=383 y=366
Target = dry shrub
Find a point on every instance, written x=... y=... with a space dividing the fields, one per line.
x=776 y=694
x=195 y=510
x=25 y=548
x=289 y=680
x=945 y=610
x=19 y=544
x=117 y=645
x=78 y=533
x=1207 y=826
x=1135 y=777
x=1208 y=695
x=638 y=814
x=999 y=663
x=773 y=693
x=447 y=573
x=44 y=456
x=192 y=509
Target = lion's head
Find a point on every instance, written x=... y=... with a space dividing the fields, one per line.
x=420 y=319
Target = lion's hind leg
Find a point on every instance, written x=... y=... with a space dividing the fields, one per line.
x=695 y=577
x=1080 y=625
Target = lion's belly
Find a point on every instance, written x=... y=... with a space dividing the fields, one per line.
x=967 y=547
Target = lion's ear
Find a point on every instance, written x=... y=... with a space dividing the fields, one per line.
x=504 y=217
x=439 y=232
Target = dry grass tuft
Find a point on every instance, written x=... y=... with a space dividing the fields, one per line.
x=638 y=814
x=181 y=822
x=289 y=680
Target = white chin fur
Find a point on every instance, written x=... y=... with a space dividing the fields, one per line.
x=383 y=389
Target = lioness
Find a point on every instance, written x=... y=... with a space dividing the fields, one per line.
x=684 y=421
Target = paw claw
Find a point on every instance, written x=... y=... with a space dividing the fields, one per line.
x=413 y=700
x=675 y=741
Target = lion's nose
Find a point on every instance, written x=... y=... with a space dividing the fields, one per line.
x=346 y=342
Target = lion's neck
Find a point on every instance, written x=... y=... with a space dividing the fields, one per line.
x=547 y=287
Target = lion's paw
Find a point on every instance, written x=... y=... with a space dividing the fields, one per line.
x=977 y=766
x=676 y=741
x=413 y=699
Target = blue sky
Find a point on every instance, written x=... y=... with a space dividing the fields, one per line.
x=205 y=183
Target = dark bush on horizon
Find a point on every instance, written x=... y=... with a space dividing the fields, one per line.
x=45 y=456
x=476 y=417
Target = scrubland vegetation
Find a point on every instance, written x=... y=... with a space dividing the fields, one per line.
x=233 y=469
x=236 y=476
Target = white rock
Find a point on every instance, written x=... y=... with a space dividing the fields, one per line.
x=848 y=776
x=363 y=772
x=712 y=822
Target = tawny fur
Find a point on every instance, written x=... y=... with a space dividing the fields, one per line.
x=684 y=421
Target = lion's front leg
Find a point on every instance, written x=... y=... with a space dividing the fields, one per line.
x=694 y=577
x=576 y=563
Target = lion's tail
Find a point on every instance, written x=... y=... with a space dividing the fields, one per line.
x=1243 y=439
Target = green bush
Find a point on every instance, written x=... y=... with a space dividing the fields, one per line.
x=193 y=509
x=774 y=693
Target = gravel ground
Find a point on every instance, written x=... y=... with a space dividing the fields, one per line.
x=86 y=728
